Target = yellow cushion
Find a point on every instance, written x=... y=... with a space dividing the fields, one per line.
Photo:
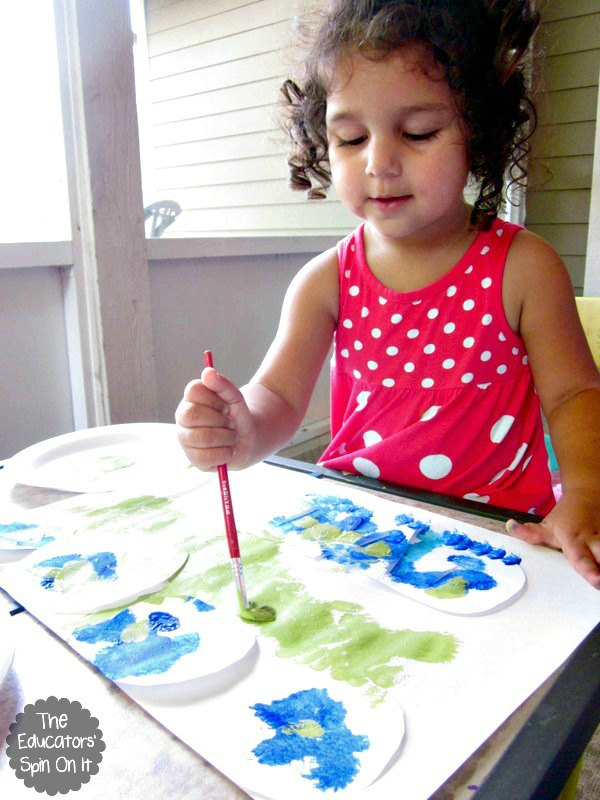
x=589 y=314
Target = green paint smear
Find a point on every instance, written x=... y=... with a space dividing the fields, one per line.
x=144 y=505
x=306 y=728
x=256 y=613
x=114 y=463
x=136 y=632
x=67 y=577
x=378 y=549
x=339 y=637
x=325 y=532
x=455 y=587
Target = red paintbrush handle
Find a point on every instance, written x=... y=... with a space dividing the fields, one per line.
x=230 y=527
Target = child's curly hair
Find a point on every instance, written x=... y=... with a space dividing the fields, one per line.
x=481 y=46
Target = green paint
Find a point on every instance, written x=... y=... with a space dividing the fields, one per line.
x=256 y=613
x=157 y=509
x=325 y=532
x=136 y=632
x=378 y=549
x=306 y=728
x=455 y=587
x=70 y=575
x=338 y=637
x=114 y=463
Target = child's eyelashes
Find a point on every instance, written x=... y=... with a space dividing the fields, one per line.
x=420 y=137
x=351 y=142
x=411 y=137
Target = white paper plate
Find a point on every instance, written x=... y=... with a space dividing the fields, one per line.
x=142 y=455
x=85 y=574
x=158 y=644
x=7 y=645
x=301 y=741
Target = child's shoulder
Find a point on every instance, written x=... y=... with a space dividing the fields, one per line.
x=528 y=247
x=316 y=283
x=323 y=268
x=534 y=274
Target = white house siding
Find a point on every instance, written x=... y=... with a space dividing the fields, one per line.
x=558 y=197
x=215 y=68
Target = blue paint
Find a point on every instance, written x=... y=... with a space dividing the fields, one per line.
x=159 y=621
x=200 y=605
x=331 y=510
x=403 y=557
x=348 y=555
x=11 y=527
x=300 y=515
x=34 y=543
x=333 y=750
x=154 y=655
x=108 y=631
x=371 y=538
x=10 y=533
x=104 y=565
x=468 y=562
x=348 y=518
x=458 y=541
x=59 y=561
x=472 y=570
x=481 y=548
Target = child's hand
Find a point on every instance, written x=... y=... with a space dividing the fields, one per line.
x=215 y=425
x=572 y=526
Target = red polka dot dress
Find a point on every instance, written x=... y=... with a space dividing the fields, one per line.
x=431 y=388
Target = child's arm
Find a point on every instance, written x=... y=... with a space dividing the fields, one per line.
x=539 y=301
x=221 y=424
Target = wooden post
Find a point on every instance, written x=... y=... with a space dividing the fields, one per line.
x=107 y=299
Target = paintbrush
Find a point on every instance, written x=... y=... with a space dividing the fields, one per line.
x=248 y=610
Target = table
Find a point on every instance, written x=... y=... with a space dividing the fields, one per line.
x=142 y=758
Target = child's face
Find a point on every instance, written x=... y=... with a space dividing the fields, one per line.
x=396 y=145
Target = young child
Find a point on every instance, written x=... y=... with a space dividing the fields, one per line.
x=448 y=323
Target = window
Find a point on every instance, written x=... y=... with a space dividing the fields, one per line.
x=34 y=204
x=210 y=139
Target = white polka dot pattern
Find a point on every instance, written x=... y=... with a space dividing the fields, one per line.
x=454 y=319
x=431 y=387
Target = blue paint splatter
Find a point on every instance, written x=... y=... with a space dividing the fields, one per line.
x=159 y=621
x=11 y=527
x=59 y=561
x=470 y=569
x=153 y=655
x=310 y=724
x=10 y=532
x=200 y=605
x=108 y=631
x=338 y=511
x=401 y=557
x=354 y=523
x=103 y=563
